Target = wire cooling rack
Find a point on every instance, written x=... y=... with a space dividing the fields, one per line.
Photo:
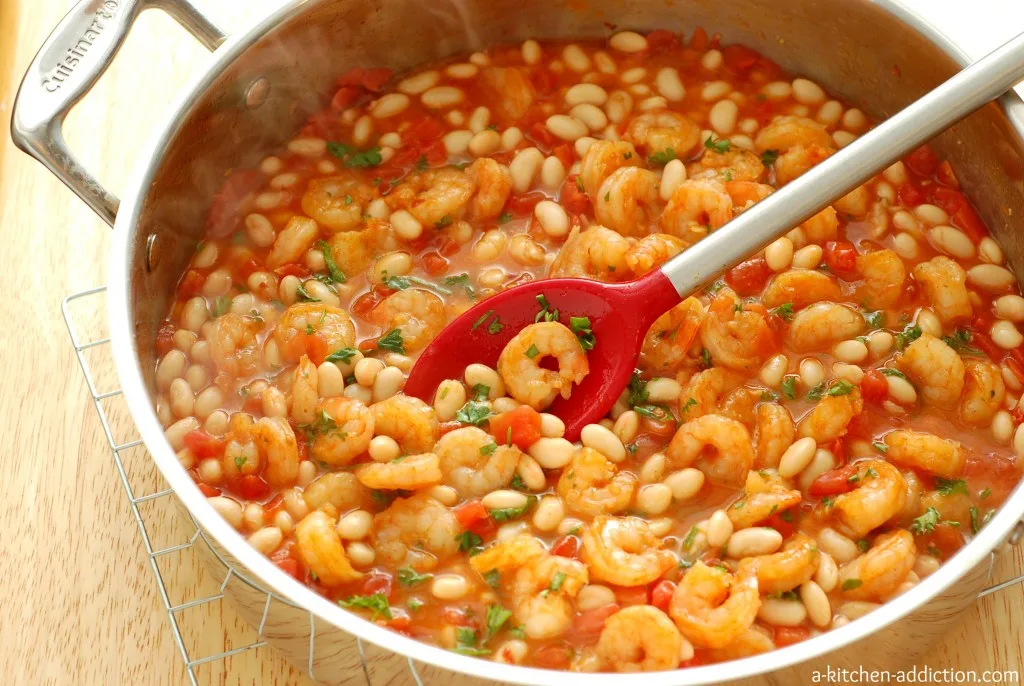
x=156 y=552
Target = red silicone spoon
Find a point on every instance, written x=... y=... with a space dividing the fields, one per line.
x=621 y=314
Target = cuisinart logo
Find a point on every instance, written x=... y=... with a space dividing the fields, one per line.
x=76 y=54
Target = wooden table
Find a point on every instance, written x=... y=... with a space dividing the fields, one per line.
x=78 y=602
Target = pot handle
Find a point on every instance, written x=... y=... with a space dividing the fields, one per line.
x=70 y=62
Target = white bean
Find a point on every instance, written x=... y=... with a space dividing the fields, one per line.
x=553 y=453
x=669 y=84
x=990 y=278
x=720 y=528
x=779 y=254
x=440 y=97
x=752 y=542
x=603 y=441
x=549 y=513
x=797 y=457
x=951 y=241
x=686 y=483
x=628 y=41
x=419 y=83
x=524 y=168
x=586 y=94
x=389 y=105
x=1006 y=335
x=565 y=127
x=449 y=586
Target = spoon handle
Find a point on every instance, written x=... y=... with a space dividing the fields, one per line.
x=797 y=201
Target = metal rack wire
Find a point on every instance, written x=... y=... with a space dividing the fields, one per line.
x=154 y=554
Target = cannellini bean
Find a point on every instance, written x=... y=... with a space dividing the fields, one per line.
x=715 y=90
x=575 y=58
x=663 y=390
x=931 y=214
x=1004 y=334
x=551 y=426
x=524 y=168
x=753 y=541
x=797 y=457
x=355 y=526
x=672 y=178
x=841 y=548
x=819 y=610
x=552 y=172
x=419 y=83
x=504 y=499
x=628 y=41
x=457 y=142
x=227 y=508
x=851 y=351
x=653 y=469
x=812 y=372
x=830 y=113
x=441 y=97
x=807 y=92
x=360 y=554
x=779 y=254
x=462 y=70
x=952 y=242
x=807 y=257
x=720 y=528
x=843 y=138
x=549 y=513
x=827 y=574
x=552 y=217
x=1010 y=307
x=586 y=94
x=822 y=462
x=669 y=84
x=774 y=370
x=603 y=441
x=531 y=473
x=591 y=115
x=406 y=225
x=627 y=426
x=566 y=127
x=484 y=143
x=654 y=499
x=449 y=586
x=990 y=278
x=481 y=375
x=686 y=483
x=722 y=116
x=1002 y=427
x=531 y=52
x=511 y=137
x=901 y=390
x=780 y=612
x=389 y=105
x=553 y=453
x=989 y=251
x=388 y=382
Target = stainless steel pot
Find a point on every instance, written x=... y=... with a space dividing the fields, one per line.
x=262 y=83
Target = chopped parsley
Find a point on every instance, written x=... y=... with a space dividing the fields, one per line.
x=889 y=371
x=466 y=642
x=789 y=387
x=662 y=157
x=784 y=311
x=480 y=391
x=240 y=461
x=925 y=523
x=546 y=314
x=468 y=541
x=392 y=341
x=377 y=603
x=407 y=576
x=691 y=536
x=414 y=604
x=768 y=397
x=365 y=159
x=474 y=413
x=495 y=326
x=344 y=355
x=875 y=320
x=768 y=157
x=581 y=327
x=975 y=523
x=323 y=425
x=221 y=305
x=986 y=493
x=863 y=545
x=337 y=276
x=960 y=341
x=339 y=150
x=421 y=163
x=816 y=392
x=496 y=618
x=851 y=584
x=705 y=358
x=881 y=447
x=504 y=217
x=461 y=280
x=721 y=146
x=510 y=513
x=579 y=185
x=517 y=482
x=627 y=155
x=556 y=581
x=532 y=351
x=492 y=578
x=840 y=387
x=488 y=449
x=690 y=402
x=396 y=283
x=950 y=486
x=637 y=389
x=444 y=221
x=479 y=322
x=908 y=336
x=658 y=413
x=304 y=295
x=828 y=501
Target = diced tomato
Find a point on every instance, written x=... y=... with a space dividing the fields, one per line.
x=699 y=40
x=545 y=80
x=572 y=197
x=289 y=566
x=539 y=133
x=631 y=595
x=910 y=195
x=377 y=582
x=207 y=490
x=522 y=205
x=946 y=538
x=591 y=622
x=367 y=345
x=434 y=264
x=345 y=97
x=423 y=132
x=165 y=338
x=249 y=267
x=967 y=219
x=661 y=40
x=553 y=657
x=658 y=428
x=470 y=512
x=749 y=277
x=191 y=284
x=400 y=621
x=1016 y=367
x=838 y=450
x=662 y=594
x=739 y=58
x=788 y=635
x=312 y=346
x=874 y=387
x=250 y=487
x=923 y=161
x=293 y=269
x=364 y=304
x=456 y=616
x=352 y=77
x=982 y=342
x=374 y=78
x=521 y=426
x=224 y=216
x=786 y=527
x=566 y=546
x=833 y=482
x=204 y=445
x=436 y=154
x=841 y=257
x=565 y=154
x=948 y=199
x=271 y=508
x=946 y=176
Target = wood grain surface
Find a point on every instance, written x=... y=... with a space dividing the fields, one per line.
x=78 y=599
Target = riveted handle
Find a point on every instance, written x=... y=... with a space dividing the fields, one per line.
x=70 y=62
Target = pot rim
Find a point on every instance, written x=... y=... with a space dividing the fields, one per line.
x=289 y=589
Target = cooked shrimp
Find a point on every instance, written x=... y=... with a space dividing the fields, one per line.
x=336 y=492
x=822 y=227
x=764 y=495
x=741 y=404
x=541 y=592
x=408 y=420
x=669 y=338
x=854 y=203
x=820 y=325
x=434 y=197
x=653 y=251
x=304 y=392
x=591 y=484
x=936 y=370
x=753 y=641
x=509 y=554
x=984 y=392
x=354 y=251
x=277 y=447
x=783 y=571
x=338 y=203
x=628 y=201
x=602 y=159
x=788 y=132
x=879 y=494
x=883 y=273
x=597 y=253
x=735 y=164
x=697 y=207
x=470 y=467
x=745 y=194
x=407 y=473
x=320 y=548
x=927 y=452
x=418 y=531
x=880 y=570
x=664 y=132
x=296 y=238
x=945 y=285
x=234 y=347
x=701 y=394
x=800 y=288
x=417 y=313
x=493 y=186
x=774 y=432
x=511 y=91
x=831 y=416
x=734 y=454
x=624 y=551
x=330 y=326
x=712 y=608
x=342 y=430
x=526 y=380
x=640 y=638
x=737 y=336
x=798 y=160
